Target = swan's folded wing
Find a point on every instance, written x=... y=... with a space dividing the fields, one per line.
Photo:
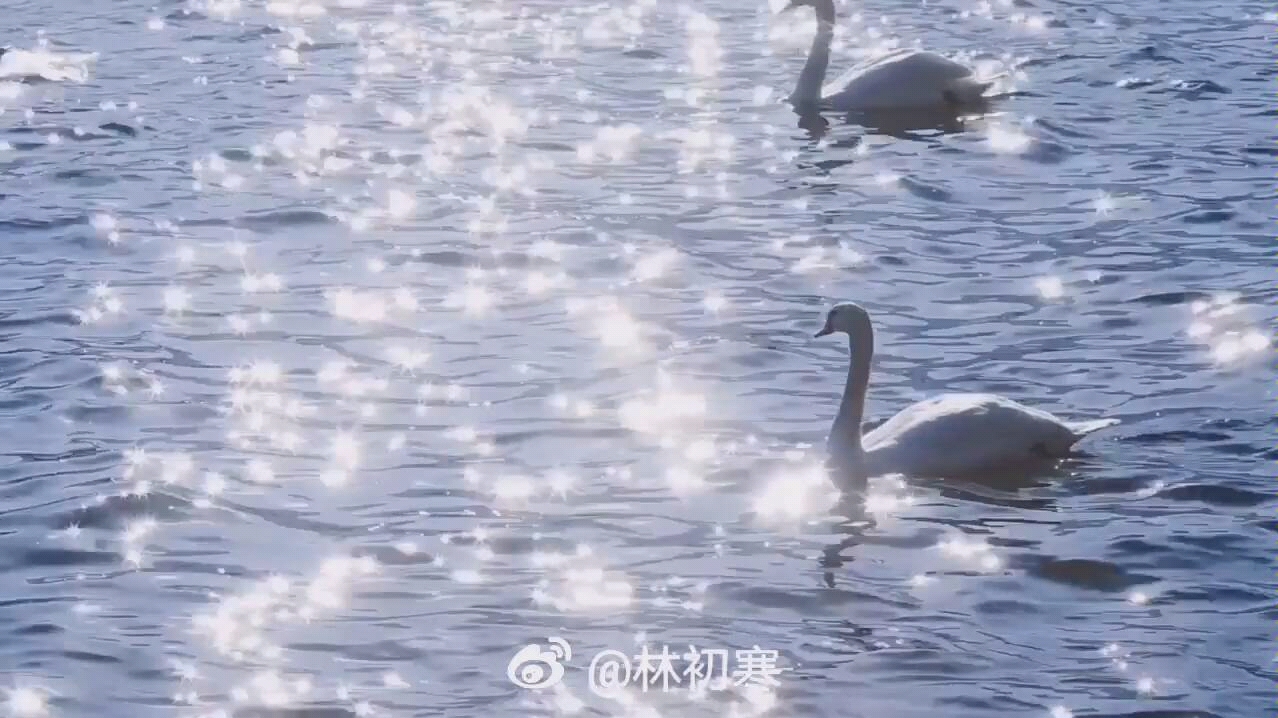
x=905 y=78
x=956 y=434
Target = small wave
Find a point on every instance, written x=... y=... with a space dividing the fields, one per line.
x=40 y=64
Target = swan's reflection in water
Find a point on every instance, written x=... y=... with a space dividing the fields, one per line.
x=904 y=124
x=855 y=521
x=1027 y=488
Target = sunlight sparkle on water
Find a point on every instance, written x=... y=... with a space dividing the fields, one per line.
x=585 y=590
x=612 y=143
x=1050 y=288
x=1007 y=139
x=26 y=702
x=684 y=481
x=176 y=300
x=714 y=302
x=662 y=411
x=473 y=299
x=799 y=493
x=970 y=550
x=887 y=498
x=1223 y=325
x=655 y=265
x=1104 y=204
x=817 y=259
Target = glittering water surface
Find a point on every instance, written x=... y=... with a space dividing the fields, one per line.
x=351 y=346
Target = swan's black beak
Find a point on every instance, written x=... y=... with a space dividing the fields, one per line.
x=824 y=331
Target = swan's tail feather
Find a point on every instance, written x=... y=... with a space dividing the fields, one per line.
x=1083 y=428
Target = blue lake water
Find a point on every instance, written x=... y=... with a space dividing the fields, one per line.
x=351 y=346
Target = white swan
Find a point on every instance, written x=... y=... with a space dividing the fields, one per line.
x=947 y=436
x=907 y=79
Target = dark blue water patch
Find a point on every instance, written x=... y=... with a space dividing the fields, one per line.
x=547 y=146
x=1151 y=53
x=318 y=711
x=1041 y=61
x=263 y=221
x=38 y=319
x=1216 y=495
x=27 y=146
x=90 y=657
x=1222 y=544
x=925 y=191
x=1120 y=322
x=1161 y=713
x=1179 y=436
x=182 y=567
x=1165 y=299
x=9 y=603
x=85 y=178
x=1264 y=150
x=115 y=511
x=1099 y=486
x=37 y=629
x=1091 y=574
x=1006 y=607
x=182 y=14
x=842 y=630
x=44 y=557
x=1242 y=448
x=378 y=651
x=993 y=705
x=236 y=154
x=1061 y=130
x=390 y=556
x=804 y=602
x=1093 y=119
x=1212 y=593
x=110 y=131
x=643 y=54
x=312 y=46
x=1270 y=525
x=1138 y=547
x=41 y=130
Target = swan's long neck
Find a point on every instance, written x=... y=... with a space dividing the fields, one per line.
x=845 y=436
x=847 y=423
x=808 y=90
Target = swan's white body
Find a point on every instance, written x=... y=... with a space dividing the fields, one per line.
x=902 y=80
x=947 y=436
x=907 y=79
x=964 y=434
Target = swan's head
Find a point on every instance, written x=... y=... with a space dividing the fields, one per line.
x=849 y=318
